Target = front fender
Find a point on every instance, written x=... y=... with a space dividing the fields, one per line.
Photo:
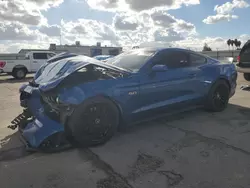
x=74 y=96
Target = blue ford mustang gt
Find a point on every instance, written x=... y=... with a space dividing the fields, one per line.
x=86 y=100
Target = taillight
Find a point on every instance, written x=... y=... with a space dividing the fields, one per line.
x=2 y=64
x=238 y=58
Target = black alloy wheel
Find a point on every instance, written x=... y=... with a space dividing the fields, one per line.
x=94 y=122
x=218 y=96
x=98 y=120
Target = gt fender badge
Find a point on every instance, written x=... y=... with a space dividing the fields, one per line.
x=132 y=93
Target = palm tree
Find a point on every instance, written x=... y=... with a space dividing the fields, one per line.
x=229 y=43
x=236 y=42
x=232 y=44
x=239 y=44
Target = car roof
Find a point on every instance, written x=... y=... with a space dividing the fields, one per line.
x=158 y=49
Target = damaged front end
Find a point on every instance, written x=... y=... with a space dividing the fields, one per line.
x=49 y=101
x=39 y=131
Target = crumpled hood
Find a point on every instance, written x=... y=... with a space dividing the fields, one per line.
x=52 y=74
x=53 y=59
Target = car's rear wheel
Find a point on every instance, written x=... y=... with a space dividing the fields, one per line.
x=247 y=76
x=94 y=122
x=218 y=96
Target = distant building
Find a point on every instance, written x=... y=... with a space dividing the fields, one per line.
x=86 y=50
x=25 y=51
x=76 y=48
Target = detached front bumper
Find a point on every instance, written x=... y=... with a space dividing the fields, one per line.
x=40 y=128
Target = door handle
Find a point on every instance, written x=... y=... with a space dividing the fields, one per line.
x=34 y=61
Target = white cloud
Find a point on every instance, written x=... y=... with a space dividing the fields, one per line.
x=26 y=11
x=219 y=17
x=18 y=11
x=125 y=22
x=138 y=5
x=167 y=36
x=154 y=25
x=89 y=31
x=224 y=11
x=51 y=30
x=44 y=4
x=229 y=7
x=16 y=31
x=162 y=18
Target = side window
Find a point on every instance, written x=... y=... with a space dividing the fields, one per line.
x=197 y=60
x=40 y=56
x=172 y=59
x=178 y=60
x=160 y=58
x=247 y=51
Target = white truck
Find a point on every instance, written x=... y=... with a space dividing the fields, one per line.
x=19 y=65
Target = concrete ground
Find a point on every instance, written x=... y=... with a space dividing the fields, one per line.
x=190 y=150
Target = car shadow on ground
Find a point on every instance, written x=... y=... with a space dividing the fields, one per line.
x=11 y=147
x=13 y=80
x=233 y=111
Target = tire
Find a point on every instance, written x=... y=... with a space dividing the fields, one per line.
x=247 y=76
x=94 y=122
x=19 y=73
x=218 y=97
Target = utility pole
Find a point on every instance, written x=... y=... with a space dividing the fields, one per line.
x=60 y=36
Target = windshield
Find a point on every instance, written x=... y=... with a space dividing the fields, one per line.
x=131 y=60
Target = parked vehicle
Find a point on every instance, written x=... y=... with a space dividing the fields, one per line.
x=243 y=64
x=103 y=58
x=86 y=100
x=18 y=66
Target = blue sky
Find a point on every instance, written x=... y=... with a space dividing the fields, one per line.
x=187 y=23
x=194 y=14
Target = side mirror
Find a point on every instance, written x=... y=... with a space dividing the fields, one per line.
x=159 y=68
x=27 y=57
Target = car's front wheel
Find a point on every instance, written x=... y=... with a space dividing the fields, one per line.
x=218 y=96
x=93 y=122
x=19 y=73
x=247 y=76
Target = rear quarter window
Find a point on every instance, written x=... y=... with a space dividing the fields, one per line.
x=197 y=60
x=246 y=51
